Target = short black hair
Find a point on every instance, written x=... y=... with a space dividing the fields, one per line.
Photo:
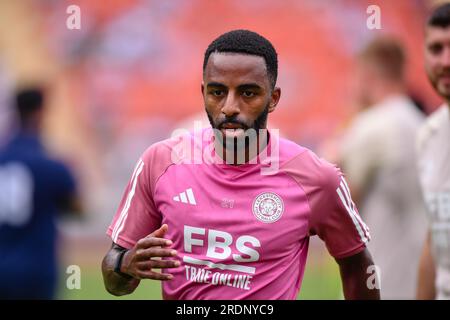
x=247 y=42
x=29 y=101
x=440 y=17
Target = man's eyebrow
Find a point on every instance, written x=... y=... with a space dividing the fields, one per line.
x=247 y=86
x=215 y=84
x=433 y=42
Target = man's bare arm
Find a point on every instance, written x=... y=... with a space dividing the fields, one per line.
x=137 y=263
x=355 y=277
x=425 y=287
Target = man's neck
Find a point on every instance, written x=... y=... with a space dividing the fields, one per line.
x=245 y=153
x=388 y=92
x=29 y=130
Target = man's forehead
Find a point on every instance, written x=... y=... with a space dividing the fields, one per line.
x=437 y=34
x=238 y=64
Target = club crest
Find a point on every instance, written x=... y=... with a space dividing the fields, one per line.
x=268 y=207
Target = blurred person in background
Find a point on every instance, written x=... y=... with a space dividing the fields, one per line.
x=33 y=189
x=378 y=156
x=434 y=162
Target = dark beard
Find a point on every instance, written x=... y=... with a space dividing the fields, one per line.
x=259 y=123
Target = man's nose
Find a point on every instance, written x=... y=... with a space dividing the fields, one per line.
x=230 y=107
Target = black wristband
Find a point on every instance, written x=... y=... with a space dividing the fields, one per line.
x=119 y=264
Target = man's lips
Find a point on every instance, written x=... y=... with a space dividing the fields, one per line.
x=231 y=126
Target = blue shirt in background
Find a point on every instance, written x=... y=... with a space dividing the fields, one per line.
x=32 y=189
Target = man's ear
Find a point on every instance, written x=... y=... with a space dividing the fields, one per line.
x=202 y=87
x=275 y=97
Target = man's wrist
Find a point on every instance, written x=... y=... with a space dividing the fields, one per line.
x=118 y=266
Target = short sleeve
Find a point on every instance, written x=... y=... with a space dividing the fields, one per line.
x=335 y=218
x=136 y=216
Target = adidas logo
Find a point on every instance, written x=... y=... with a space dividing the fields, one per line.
x=186 y=197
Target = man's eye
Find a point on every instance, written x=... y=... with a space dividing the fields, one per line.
x=435 y=48
x=217 y=93
x=248 y=94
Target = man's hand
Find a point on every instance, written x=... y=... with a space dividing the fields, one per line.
x=139 y=261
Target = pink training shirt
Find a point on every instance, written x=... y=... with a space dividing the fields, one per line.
x=240 y=234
